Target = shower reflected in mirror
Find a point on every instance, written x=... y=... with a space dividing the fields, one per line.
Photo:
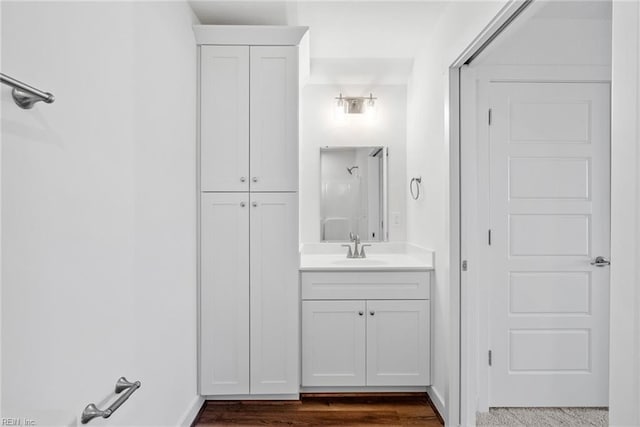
x=353 y=193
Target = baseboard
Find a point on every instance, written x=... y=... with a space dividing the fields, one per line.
x=359 y=395
x=365 y=389
x=249 y=397
x=192 y=412
x=438 y=402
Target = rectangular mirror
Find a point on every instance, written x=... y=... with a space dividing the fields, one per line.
x=353 y=193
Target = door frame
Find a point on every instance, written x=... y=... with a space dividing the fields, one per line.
x=624 y=378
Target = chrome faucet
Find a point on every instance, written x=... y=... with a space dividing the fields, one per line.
x=358 y=250
x=356 y=244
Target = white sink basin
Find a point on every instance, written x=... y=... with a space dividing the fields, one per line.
x=359 y=261
x=382 y=256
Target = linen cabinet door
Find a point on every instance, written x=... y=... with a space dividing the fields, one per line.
x=274 y=118
x=224 y=118
x=274 y=294
x=398 y=343
x=333 y=343
x=224 y=294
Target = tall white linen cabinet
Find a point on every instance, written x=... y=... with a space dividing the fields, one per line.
x=248 y=215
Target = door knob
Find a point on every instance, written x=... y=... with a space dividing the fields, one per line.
x=600 y=261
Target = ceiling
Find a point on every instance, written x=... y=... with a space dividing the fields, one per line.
x=351 y=42
x=363 y=41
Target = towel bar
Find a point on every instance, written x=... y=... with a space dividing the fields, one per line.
x=91 y=411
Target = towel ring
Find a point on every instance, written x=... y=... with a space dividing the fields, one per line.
x=418 y=180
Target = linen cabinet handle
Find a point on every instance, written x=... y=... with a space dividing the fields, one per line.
x=243 y=179
x=372 y=312
x=254 y=204
x=242 y=204
x=360 y=313
x=254 y=179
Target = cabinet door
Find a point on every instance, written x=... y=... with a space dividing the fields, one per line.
x=333 y=343
x=398 y=343
x=224 y=294
x=224 y=118
x=274 y=118
x=274 y=293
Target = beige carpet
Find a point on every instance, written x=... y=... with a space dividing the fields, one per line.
x=576 y=417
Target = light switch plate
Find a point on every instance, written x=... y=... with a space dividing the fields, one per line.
x=395 y=218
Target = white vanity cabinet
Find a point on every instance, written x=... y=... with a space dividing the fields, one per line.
x=224 y=118
x=248 y=293
x=248 y=118
x=274 y=118
x=352 y=338
x=333 y=343
x=224 y=293
x=248 y=217
x=273 y=308
x=397 y=342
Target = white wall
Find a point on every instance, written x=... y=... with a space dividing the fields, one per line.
x=319 y=128
x=165 y=209
x=98 y=220
x=536 y=39
x=428 y=156
x=624 y=371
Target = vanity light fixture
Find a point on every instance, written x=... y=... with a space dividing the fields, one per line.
x=355 y=105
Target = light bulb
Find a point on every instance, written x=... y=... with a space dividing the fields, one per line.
x=370 y=108
x=339 y=109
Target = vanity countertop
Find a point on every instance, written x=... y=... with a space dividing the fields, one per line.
x=380 y=257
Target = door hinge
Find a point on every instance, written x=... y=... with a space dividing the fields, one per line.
x=490 y=358
x=489 y=237
x=464 y=265
x=490 y=116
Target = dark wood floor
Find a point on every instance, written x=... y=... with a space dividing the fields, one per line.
x=324 y=410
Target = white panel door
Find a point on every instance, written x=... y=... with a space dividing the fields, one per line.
x=274 y=293
x=333 y=343
x=549 y=214
x=398 y=343
x=224 y=118
x=274 y=118
x=224 y=294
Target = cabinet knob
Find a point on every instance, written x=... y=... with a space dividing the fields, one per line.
x=243 y=179
x=254 y=204
x=360 y=313
x=254 y=179
x=242 y=204
x=372 y=312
